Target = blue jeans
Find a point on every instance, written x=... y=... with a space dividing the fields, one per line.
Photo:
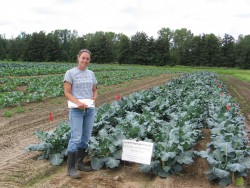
x=81 y=124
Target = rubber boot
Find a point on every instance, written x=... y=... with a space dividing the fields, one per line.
x=72 y=172
x=79 y=161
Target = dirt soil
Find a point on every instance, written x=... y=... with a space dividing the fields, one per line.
x=240 y=90
x=19 y=168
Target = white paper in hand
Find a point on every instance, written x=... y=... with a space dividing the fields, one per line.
x=89 y=102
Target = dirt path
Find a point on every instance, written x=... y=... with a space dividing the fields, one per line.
x=241 y=91
x=21 y=169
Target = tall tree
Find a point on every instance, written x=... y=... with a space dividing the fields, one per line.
x=181 y=46
x=113 y=41
x=162 y=54
x=166 y=37
x=139 y=46
x=170 y=48
x=167 y=34
x=101 y=46
x=195 y=50
x=124 y=49
x=35 y=50
x=228 y=51
x=64 y=37
x=243 y=52
x=14 y=49
x=76 y=44
x=203 y=52
x=3 y=47
x=52 y=51
x=213 y=50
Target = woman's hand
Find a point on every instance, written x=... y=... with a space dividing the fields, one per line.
x=81 y=105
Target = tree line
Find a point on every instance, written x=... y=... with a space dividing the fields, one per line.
x=171 y=47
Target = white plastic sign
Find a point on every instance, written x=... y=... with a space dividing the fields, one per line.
x=137 y=151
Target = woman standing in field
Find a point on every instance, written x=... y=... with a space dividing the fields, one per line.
x=80 y=83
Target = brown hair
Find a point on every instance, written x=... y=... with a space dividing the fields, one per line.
x=84 y=50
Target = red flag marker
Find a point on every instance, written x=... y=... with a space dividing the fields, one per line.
x=219 y=85
x=50 y=116
x=228 y=107
x=118 y=97
x=221 y=93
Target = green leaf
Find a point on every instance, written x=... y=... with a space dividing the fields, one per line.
x=225 y=181
x=117 y=139
x=217 y=155
x=203 y=154
x=162 y=173
x=185 y=158
x=103 y=133
x=226 y=147
x=220 y=173
x=111 y=162
x=245 y=162
x=145 y=168
x=96 y=163
x=166 y=168
x=117 y=154
x=235 y=167
x=239 y=181
x=166 y=155
x=212 y=161
x=178 y=168
x=56 y=159
x=39 y=147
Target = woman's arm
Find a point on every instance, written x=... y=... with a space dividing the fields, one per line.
x=94 y=92
x=69 y=96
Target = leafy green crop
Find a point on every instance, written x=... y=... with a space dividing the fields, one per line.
x=171 y=116
x=54 y=143
x=33 y=82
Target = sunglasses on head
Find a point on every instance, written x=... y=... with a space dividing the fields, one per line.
x=84 y=50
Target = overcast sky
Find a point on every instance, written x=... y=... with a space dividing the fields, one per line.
x=125 y=16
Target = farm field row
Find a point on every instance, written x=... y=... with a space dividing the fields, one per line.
x=22 y=83
x=22 y=169
x=241 y=74
x=171 y=117
x=19 y=168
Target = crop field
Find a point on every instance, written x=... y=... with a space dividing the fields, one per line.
x=197 y=119
x=32 y=82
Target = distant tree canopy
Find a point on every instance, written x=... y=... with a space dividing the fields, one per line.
x=171 y=47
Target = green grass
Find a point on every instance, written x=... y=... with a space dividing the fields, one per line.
x=10 y=113
x=7 y=113
x=237 y=73
x=243 y=77
x=19 y=109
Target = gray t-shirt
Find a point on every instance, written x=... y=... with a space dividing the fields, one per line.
x=82 y=82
